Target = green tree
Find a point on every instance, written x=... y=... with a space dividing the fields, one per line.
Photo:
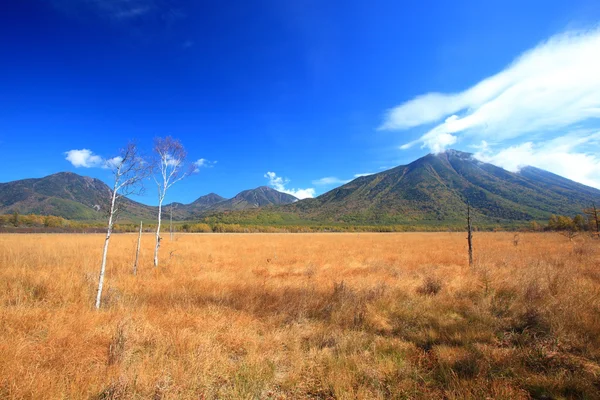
x=534 y=226
x=52 y=222
x=579 y=223
x=15 y=219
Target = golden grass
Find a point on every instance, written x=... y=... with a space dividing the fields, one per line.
x=368 y=316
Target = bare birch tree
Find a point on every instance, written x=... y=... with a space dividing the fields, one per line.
x=171 y=167
x=128 y=171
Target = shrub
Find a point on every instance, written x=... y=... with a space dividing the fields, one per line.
x=431 y=286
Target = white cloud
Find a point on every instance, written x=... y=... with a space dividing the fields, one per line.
x=113 y=162
x=203 y=163
x=562 y=155
x=84 y=158
x=308 y=193
x=547 y=89
x=330 y=180
x=482 y=147
x=435 y=141
x=172 y=161
x=279 y=183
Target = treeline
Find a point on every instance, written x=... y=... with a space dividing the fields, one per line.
x=586 y=222
x=17 y=220
x=44 y=223
x=53 y=223
x=238 y=228
x=566 y=223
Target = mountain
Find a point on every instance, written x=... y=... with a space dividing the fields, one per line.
x=437 y=188
x=201 y=204
x=255 y=198
x=207 y=201
x=432 y=189
x=64 y=194
x=72 y=196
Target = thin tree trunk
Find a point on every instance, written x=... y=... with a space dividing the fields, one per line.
x=596 y=218
x=105 y=251
x=470 y=235
x=137 y=252
x=158 y=234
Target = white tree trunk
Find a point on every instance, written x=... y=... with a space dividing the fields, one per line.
x=137 y=252
x=105 y=251
x=158 y=233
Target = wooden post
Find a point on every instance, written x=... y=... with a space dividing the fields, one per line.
x=470 y=234
x=595 y=210
x=171 y=224
x=137 y=252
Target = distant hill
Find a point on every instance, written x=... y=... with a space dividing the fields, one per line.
x=72 y=196
x=201 y=204
x=255 y=198
x=437 y=188
x=63 y=194
x=206 y=201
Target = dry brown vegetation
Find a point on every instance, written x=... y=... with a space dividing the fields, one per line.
x=301 y=316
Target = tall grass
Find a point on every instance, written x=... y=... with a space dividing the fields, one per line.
x=301 y=316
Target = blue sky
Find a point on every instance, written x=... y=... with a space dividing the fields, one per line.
x=300 y=95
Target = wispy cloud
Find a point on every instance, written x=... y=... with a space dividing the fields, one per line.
x=552 y=87
x=279 y=183
x=203 y=163
x=131 y=12
x=118 y=10
x=86 y=158
x=363 y=174
x=330 y=180
x=565 y=155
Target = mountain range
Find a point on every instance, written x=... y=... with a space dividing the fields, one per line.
x=72 y=196
x=434 y=188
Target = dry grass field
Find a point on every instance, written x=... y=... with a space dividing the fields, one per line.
x=321 y=316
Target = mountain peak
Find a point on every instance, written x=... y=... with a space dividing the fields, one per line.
x=444 y=156
x=437 y=187
x=454 y=153
x=254 y=198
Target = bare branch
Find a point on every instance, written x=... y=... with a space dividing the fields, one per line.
x=170 y=160
x=129 y=170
